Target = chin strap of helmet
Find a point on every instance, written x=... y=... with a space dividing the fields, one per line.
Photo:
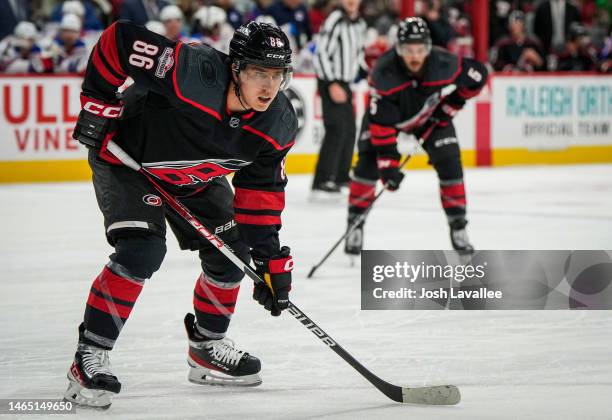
x=236 y=69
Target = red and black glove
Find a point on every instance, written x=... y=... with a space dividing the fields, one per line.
x=96 y=121
x=446 y=111
x=276 y=272
x=390 y=174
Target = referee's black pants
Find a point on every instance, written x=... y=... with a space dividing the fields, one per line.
x=336 y=152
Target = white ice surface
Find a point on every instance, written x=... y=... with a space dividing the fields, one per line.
x=509 y=365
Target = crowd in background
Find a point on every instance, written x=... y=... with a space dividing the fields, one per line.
x=47 y=36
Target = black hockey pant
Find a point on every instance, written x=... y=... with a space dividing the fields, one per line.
x=135 y=224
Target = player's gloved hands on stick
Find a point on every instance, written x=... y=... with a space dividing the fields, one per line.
x=445 y=112
x=276 y=271
x=424 y=131
x=96 y=120
x=390 y=173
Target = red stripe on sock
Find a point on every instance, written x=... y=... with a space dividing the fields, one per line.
x=452 y=190
x=361 y=195
x=112 y=308
x=453 y=195
x=116 y=286
x=219 y=297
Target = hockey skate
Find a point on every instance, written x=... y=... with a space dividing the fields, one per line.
x=90 y=380
x=459 y=238
x=219 y=362
x=353 y=243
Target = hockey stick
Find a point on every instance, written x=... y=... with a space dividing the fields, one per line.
x=432 y=395
x=355 y=223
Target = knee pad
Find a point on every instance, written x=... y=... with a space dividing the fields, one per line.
x=219 y=268
x=139 y=255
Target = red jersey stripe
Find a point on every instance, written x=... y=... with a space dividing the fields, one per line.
x=259 y=200
x=255 y=219
x=109 y=49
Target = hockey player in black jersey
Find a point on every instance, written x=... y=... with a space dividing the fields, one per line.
x=407 y=86
x=192 y=116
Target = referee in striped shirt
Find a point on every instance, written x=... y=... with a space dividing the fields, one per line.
x=339 y=60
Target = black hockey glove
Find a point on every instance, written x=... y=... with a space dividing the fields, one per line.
x=276 y=271
x=423 y=131
x=446 y=111
x=390 y=173
x=96 y=121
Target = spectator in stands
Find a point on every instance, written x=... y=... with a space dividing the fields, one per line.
x=463 y=42
x=172 y=18
x=440 y=28
x=292 y=16
x=260 y=8
x=553 y=19
x=518 y=52
x=579 y=54
x=234 y=17
x=141 y=11
x=605 y=55
x=211 y=28
x=11 y=13
x=19 y=52
x=85 y=10
x=499 y=11
x=68 y=51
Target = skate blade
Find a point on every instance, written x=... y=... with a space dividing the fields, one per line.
x=87 y=398
x=204 y=376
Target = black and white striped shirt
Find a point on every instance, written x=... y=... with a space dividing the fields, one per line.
x=340 y=48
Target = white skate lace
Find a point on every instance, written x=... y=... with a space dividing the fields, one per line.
x=95 y=361
x=224 y=351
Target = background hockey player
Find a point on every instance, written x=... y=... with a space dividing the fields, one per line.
x=192 y=116
x=406 y=84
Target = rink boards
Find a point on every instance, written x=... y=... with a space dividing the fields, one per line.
x=518 y=119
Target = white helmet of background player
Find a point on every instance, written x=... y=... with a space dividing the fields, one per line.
x=413 y=30
x=70 y=22
x=170 y=12
x=210 y=17
x=25 y=34
x=73 y=7
x=26 y=30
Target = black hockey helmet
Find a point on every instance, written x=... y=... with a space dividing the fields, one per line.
x=261 y=44
x=414 y=30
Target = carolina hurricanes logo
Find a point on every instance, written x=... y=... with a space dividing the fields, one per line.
x=152 y=200
x=194 y=172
